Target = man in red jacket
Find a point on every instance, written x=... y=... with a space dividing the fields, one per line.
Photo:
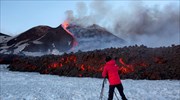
x=111 y=71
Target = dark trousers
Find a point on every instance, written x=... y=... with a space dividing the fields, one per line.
x=120 y=89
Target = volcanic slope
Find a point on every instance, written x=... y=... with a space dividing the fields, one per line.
x=94 y=37
x=40 y=39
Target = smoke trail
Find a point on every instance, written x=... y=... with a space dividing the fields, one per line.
x=149 y=21
x=94 y=13
x=134 y=23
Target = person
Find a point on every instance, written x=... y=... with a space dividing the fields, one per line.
x=111 y=72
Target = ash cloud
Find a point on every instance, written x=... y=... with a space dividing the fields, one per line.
x=158 y=23
x=86 y=15
x=149 y=21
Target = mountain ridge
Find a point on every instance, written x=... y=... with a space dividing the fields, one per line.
x=47 y=39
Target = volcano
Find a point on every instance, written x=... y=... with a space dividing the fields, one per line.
x=94 y=37
x=48 y=40
x=40 y=39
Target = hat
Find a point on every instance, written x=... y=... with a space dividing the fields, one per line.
x=108 y=58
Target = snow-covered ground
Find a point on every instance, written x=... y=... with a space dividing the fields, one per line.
x=33 y=86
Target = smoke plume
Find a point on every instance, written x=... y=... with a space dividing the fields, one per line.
x=137 y=23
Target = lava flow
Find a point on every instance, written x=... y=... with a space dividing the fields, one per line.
x=125 y=68
x=133 y=65
x=65 y=24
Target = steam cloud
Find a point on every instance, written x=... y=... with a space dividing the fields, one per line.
x=138 y=23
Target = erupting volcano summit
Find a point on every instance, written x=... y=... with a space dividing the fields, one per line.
x=48 y=40
x=40 y=39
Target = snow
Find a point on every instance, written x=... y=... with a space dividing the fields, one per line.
x=4 y=39
x=37 y=42
x=21 y=42
x=33 y=53
x=20 y=48
x=55 y=52
x=34 y=86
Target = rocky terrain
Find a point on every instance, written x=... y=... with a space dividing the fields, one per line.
x=135 y=62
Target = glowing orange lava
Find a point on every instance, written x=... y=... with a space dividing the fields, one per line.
x=65 y=24
x=125 y=68
x=82 y=67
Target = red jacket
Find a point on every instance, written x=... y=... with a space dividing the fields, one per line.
x=111 y=70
